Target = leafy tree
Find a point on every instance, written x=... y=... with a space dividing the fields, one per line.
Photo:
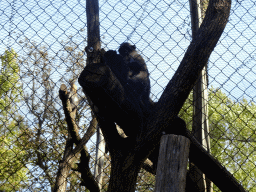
x=232 y=133
x=12 y=153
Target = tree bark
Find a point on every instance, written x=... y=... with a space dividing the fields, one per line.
x=70 y=153
x=123 y=180
x=64 y=168
x=93 y=31
x=172 y=164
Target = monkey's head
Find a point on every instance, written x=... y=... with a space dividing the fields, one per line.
x=126 y=48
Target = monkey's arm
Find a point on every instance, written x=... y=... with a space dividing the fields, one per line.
x=142 y=75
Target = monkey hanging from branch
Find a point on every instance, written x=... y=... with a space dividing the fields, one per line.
x=138 y=75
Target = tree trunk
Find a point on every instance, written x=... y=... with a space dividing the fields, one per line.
x=64 y=168
x=123 y=179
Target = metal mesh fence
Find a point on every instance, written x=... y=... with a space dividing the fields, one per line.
x=42 y=46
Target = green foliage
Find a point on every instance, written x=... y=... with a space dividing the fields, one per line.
x=232 y=133
x=12 y=154
x=9 y=81
x=145 y=181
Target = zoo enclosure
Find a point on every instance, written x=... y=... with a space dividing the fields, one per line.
x=49 y=39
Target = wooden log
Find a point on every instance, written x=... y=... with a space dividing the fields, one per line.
x=172 y=164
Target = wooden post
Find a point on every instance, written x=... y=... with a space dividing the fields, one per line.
x=172 y=164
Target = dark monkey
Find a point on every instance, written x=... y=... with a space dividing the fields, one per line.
x=138 y=75
x=127 y=109
x=131 y=71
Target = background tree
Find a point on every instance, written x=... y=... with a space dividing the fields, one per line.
x=12 y=124
x=232 y=128
x=47 y=126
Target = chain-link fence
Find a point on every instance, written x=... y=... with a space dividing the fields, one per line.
x=43 y=46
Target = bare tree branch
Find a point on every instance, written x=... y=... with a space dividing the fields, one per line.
x=83 y=167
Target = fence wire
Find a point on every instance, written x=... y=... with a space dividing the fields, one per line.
x=42 y=46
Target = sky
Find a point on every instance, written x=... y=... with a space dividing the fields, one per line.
x=160 y=29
